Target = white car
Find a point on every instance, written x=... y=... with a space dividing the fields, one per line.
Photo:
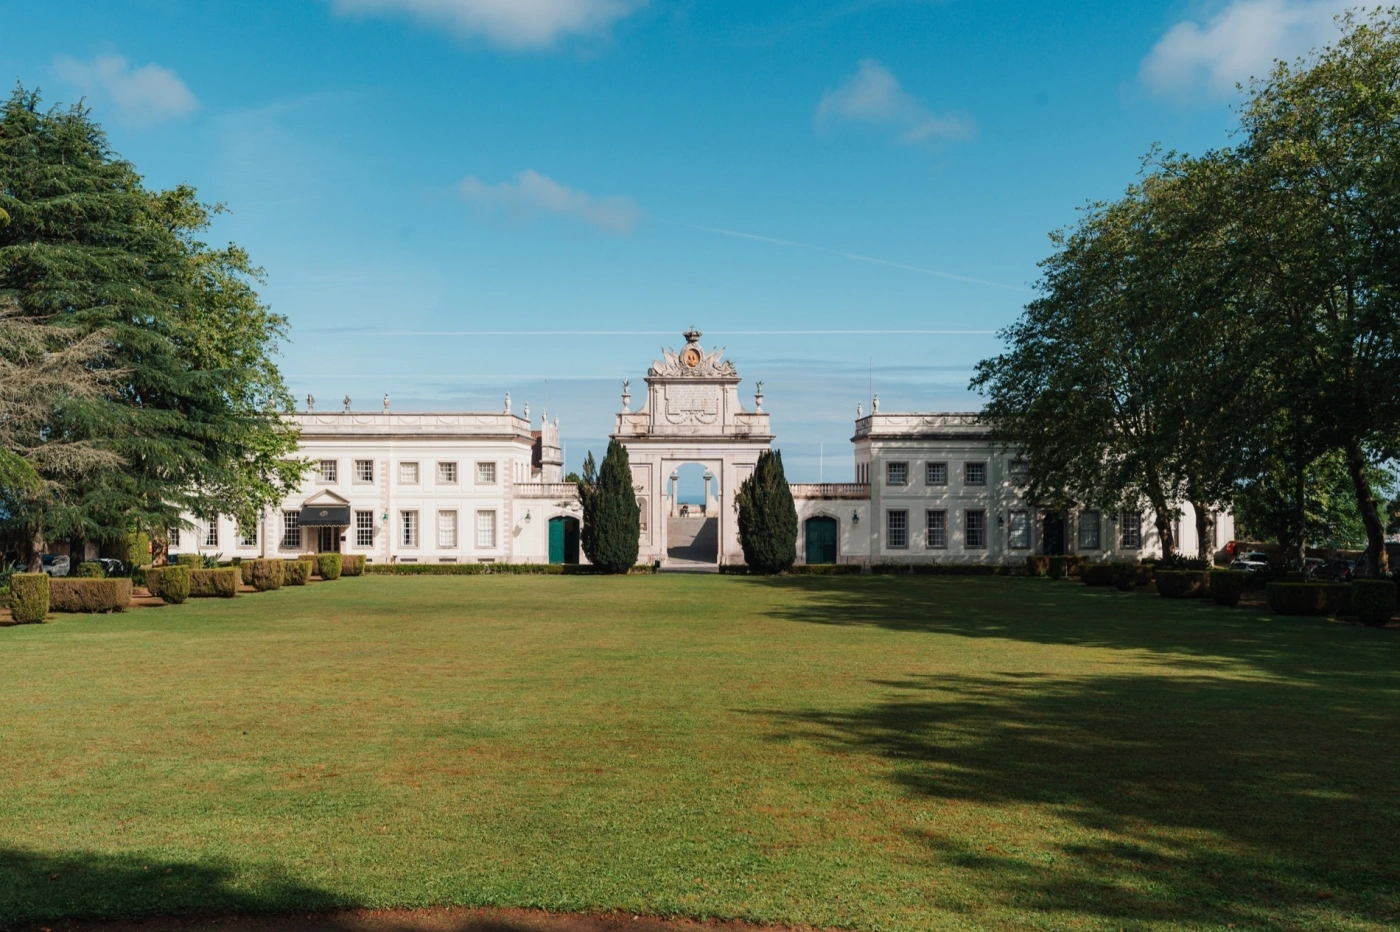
x=55 y=564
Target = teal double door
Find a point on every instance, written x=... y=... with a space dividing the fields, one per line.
x=563 y=540
x=821 y=540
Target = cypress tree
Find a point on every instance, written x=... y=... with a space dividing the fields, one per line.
x=767 y=517
x=611 y=518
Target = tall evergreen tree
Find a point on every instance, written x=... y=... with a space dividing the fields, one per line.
x=195 y=402
x=767 y=517
x=611 y=518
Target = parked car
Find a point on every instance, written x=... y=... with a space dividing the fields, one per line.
x=55 y=564
x=1334 y=571
x=114 y=567
x=1253 y=562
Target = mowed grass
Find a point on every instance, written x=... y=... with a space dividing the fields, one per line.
x=874 y=752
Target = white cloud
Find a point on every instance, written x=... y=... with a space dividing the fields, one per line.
x=148 y=94
x=516 y=24
x=873 y=95
x=532 y=195
x=1241 y=41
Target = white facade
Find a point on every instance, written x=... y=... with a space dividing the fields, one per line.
x=486 y=487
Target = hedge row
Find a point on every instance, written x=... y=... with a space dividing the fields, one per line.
x=1309 y=598
x=940 y=569
x=493 y=569
x=1182 y=584
x=169 y=583
x=800 y=569
x=89 y=595
x=1123 y=576
x=212 y=584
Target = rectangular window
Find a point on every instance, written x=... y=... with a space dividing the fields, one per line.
x=1088 y=530
x=408 y=523
x=248 y=536
x=364 y=529
x=486 y=474
x=328 y=470
x=976 y=529
x=447 y=472
x=935 y=474
x=974 y=474
x=1020 y=472
x=936 y=525
x=291 y=529
x=896 y=473
x=364 y=470
x=897 y=529
x=211 y=532
x=447 y=529
x=1131 y=531
x=486 y=529
x=1019 y=530
x=408 y=473
x=172 y=537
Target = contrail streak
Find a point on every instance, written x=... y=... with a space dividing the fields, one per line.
x=773 y=241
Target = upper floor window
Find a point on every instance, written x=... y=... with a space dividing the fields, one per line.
x=328 y=470
x=896 y=473
x=364 y=470
x=408 y=473
x=447 y=472
x=935 y=474
x=974 y=474
x=486 y=474
x=1020 y=472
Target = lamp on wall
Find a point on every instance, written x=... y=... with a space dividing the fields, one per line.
x=855 y=517
x=384 y=518
x=527 y=516
x=1001 y=522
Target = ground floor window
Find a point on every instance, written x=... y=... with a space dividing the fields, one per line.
x=1019 y=530
x=1088 y=530
x=936 y=528
x=1131 y=530
x=291 y=529
x=486 y=529
x=248 y=536
x=976 y=527
x=211 y=532
x=447 y=529
x=897 y=529
x=172 y=537
x=364 y=529
x=408 y=524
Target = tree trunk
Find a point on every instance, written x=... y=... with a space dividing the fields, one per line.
x=37 y=546
x=1377 y=560
x=1205 y=548
x=1300 y=517
x=1161 y=515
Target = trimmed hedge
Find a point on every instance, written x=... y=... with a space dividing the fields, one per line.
x=193 y=560
x=508 y=569
x=263 y=575
x=1096 y=574
x=1373 y=600
x=1182 y=584
x=89 y=570
x=328 y=566
x=295 y=572
x=29 y=597
x=1308 y=598
x=215 y=584
x=825 y=569
x=940 y=569
x=1226 y=586
x=352 y=564
x=168 y=583
x=1057 y=568
x=1126 y=576
x=89 y=595
x=1037 y=566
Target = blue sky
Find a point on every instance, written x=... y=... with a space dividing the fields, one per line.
x=458 y=198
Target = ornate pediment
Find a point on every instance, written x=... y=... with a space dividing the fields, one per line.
x=692 y=361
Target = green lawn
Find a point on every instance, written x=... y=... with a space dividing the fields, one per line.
x=877 y=752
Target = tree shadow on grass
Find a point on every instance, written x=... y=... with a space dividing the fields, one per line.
x=46 y=886
x=1196 y=633
x=1129 y=799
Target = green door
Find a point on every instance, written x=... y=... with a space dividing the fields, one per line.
x=821 y=540
x=556 y=540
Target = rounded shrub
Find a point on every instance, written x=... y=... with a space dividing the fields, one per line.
x=295 y=572
x=328 y=566
x=1037 y=565
x=352 y=564
x=1226 y=586
x=174 y=584
x=263 y=575
x=1096 y=574
x=1373 y=600
x=89 y=570
x=29 y=597
x=1182 y=584
x=1056 y=568
x=1124 y=576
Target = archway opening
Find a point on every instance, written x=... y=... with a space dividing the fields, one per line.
x=692 y=522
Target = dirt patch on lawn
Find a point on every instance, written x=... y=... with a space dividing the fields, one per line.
x=454 y=919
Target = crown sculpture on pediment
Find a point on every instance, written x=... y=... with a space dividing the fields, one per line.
x=692 y=361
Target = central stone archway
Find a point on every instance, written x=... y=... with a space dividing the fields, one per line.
x=691 y=414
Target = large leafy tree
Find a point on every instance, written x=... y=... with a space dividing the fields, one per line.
x=611 y=518
x=767 y=517
x=194 y=401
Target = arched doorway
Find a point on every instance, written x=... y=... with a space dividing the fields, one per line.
x=692 y=521
x=563 y=540
x=821 y=540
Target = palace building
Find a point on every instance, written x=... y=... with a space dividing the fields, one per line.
x=488 y=487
